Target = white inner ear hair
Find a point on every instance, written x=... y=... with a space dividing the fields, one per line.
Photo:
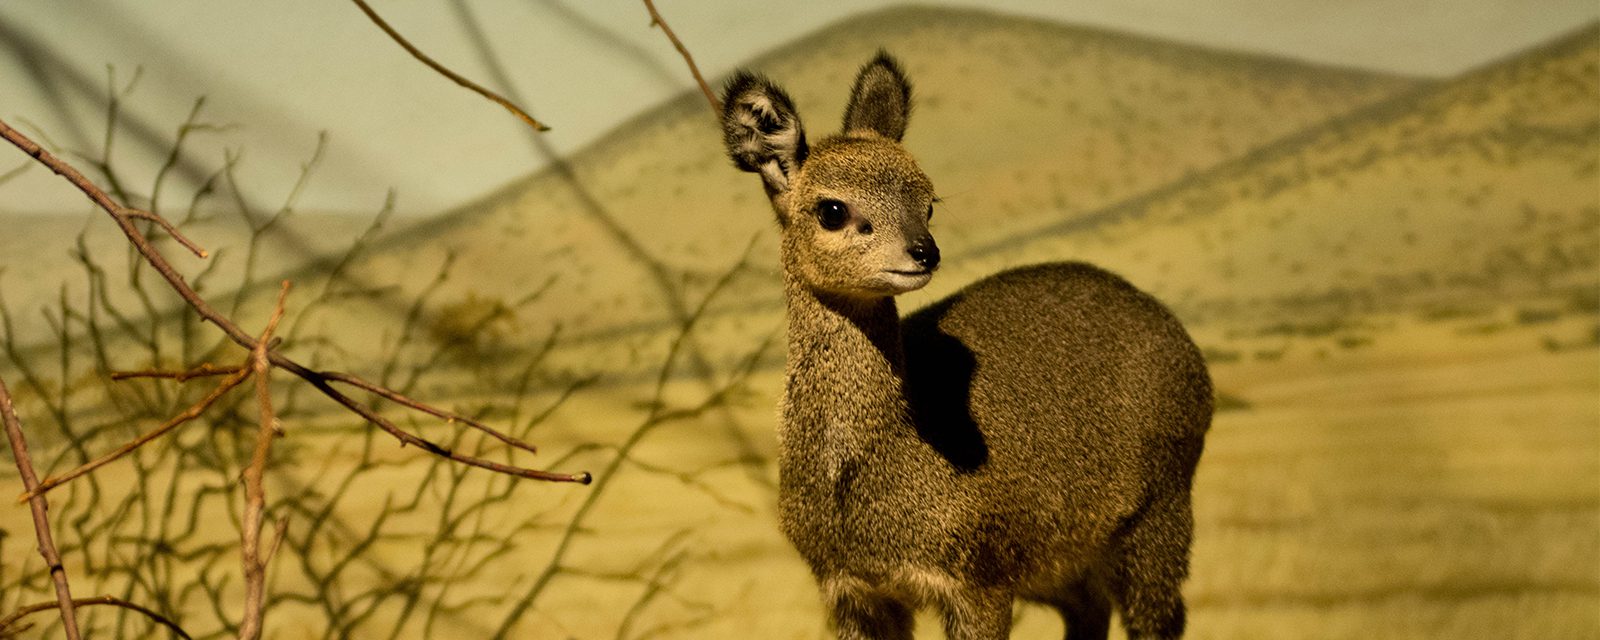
x=777 y=148
x=772 y=171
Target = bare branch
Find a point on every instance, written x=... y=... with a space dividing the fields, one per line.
x=203 y=371
x=171 y=230
x=13 y=617
x=447 y=416
x=457 y=78
x=255 y=494
x=321 y=384
x=191 y=413
x=41 y=517
x=240 y=337
x=657 y=21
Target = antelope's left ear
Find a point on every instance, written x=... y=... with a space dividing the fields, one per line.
x=762 y=130
x=881 y=99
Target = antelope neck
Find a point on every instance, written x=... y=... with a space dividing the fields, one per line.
x=846 y=366
x=865 y=332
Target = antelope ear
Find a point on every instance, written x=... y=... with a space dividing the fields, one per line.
x=881 y=99
x=762 y=130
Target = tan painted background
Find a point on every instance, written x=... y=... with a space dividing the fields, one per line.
x=1394 y=278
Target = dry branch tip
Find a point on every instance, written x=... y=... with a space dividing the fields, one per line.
x=657 y=21
x=446 y=72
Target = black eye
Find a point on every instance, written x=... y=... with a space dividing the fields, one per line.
x=930 y=212
x=832 y=214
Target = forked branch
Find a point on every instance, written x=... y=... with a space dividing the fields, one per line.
x=194 y=411
x=255 y=493
x=322 y=381
x=171 y=231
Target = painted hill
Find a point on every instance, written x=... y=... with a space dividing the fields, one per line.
x=1479 y=191
x=1394 y=280
x=1221 y=181
x=1020 y=123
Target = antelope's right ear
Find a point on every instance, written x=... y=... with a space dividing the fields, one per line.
x=762 y=130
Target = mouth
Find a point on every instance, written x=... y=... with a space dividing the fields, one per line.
x=903 y=280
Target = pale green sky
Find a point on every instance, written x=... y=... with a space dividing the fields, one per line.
x=281 y=71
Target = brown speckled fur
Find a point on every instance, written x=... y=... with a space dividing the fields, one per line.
x=1034 y=435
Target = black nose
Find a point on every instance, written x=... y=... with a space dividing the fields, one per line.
x=925 y=252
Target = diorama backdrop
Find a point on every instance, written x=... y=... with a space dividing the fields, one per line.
x=1394 y=275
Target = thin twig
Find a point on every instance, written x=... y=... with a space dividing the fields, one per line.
x=657 y=21
x=279 y=531
x=41 y=517
x=255 y=493
x=239 y=336
x=316 y=380
x=191 y=413
x=203 y=371
x=659 y=415
x=171 y=230
x=13 y=617
x=447 y=416
x=419 y=55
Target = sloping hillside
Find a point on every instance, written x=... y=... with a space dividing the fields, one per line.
x=1394 y=280
x=1020 y=123
x=1480 y=191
